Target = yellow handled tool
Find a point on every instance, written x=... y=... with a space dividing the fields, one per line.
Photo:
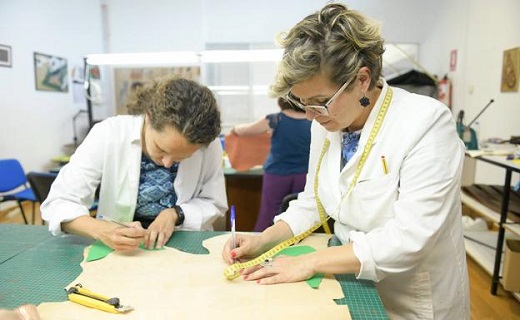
x=85 y=297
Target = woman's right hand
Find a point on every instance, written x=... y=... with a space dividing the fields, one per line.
x=122 y=238
x=250 y=246
x=112 y=234
x=247 y=247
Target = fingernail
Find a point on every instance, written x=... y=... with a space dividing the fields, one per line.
x=246 y=276
x=233 y=254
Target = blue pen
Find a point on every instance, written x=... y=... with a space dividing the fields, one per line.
x=232 y=220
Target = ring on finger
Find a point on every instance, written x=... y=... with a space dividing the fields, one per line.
x=267 y=262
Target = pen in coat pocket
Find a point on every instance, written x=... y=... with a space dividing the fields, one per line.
x=385 y=167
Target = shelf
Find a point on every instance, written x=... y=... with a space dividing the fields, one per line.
x=514 y=228
x=484 y=255
x=488 y=213
x=504 y=229
x=483 y=251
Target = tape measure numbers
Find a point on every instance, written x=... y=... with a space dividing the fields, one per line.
x=233 y=271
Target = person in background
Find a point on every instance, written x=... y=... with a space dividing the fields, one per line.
x=286 y=165
x=385 y=164
x=159 y=168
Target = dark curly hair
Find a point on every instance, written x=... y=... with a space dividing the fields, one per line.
x=186 y=105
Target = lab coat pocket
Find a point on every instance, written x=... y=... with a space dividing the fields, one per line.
x=372 y=199
x=377 y=187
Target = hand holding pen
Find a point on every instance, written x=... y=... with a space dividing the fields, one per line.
x=241 y=247
x=127 y=238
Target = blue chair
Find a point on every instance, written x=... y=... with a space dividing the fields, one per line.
x=13 y=185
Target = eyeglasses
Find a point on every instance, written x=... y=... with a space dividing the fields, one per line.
x=318 y=109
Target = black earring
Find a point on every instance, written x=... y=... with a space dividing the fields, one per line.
x=364 y=102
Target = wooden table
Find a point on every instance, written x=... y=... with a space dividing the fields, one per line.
x=244 y=191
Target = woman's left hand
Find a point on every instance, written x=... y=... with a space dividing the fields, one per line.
x=282 y=269
x=161 y=229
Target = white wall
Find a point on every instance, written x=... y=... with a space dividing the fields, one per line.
x=165 y=25
x=35 y=124
x=240 y=23
x=491 y=30
x=73 y=28
x=480 y=33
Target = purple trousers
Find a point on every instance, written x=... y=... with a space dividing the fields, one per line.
x=274 y=189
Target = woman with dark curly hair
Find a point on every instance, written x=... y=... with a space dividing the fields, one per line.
x=159 y=169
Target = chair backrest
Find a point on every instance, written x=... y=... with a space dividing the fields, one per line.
x=288 y=198
x=12 y=175
x=41 y=183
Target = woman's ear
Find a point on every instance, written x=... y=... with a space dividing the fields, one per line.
x=364 y=78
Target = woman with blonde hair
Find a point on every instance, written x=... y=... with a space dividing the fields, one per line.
x=385 y=165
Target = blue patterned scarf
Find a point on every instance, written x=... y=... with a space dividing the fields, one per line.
x=349 y=144
x=156 y=191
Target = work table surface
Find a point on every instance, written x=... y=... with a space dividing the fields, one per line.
x=35 y=267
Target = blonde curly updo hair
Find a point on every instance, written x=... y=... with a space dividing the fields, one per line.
x=334 y=40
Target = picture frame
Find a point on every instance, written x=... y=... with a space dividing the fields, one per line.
x=128 y=80
x=510 y=70
x=50 y=73
x=6 y=55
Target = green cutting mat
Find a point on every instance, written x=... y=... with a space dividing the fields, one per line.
x=361 y=297
x=14 y=240
x=35 y=266
x=38 y=271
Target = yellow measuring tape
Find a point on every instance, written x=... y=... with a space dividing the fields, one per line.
x=233 y=271
x=323 y=216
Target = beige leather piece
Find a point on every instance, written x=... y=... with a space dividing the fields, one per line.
x=168 y=284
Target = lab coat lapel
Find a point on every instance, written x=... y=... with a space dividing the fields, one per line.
x=334 y=162
x=348 y=172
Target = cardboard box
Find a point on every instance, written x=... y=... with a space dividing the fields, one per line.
x=511 y=271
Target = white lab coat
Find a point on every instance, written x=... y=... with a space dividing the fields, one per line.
x=111 y=155
x=405 y=226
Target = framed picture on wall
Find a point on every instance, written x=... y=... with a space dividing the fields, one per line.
x=50 y=73
x=128 y=80
x=510 y=70
x=5 y=56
